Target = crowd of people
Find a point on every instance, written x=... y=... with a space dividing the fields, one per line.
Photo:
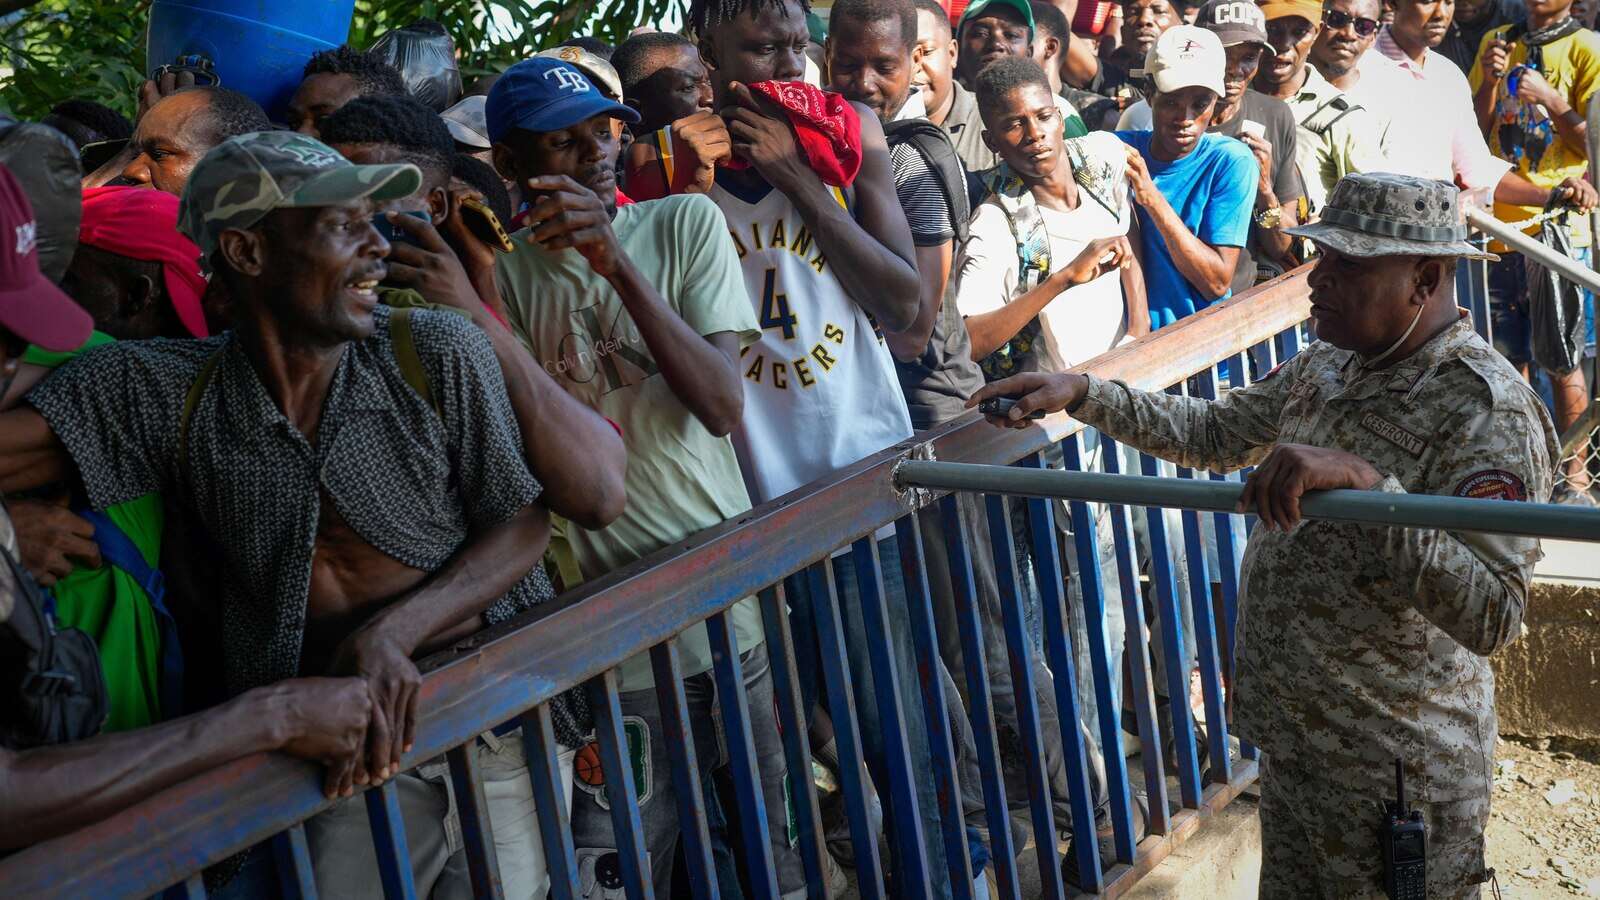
x=290 y=398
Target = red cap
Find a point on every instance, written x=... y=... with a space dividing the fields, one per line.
x=31 y=307
x=140 y=223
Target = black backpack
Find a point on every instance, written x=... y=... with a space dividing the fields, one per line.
x=931 y=142
x=51 y=683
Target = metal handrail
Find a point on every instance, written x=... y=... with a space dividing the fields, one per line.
x=1569 y=269
x=505 y=670
x=1538 y=520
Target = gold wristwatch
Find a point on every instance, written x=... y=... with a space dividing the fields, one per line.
x=1271 y=217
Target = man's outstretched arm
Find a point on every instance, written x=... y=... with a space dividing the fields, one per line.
x=1220 y=435
x=49 y=791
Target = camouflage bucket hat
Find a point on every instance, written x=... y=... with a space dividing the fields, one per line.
x=245 y=177
x=1380 y=214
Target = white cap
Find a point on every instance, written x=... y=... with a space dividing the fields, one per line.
x=1186 y=56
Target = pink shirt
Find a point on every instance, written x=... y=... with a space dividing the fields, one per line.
x=1433 y=130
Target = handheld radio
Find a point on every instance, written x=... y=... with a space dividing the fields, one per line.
x=1403 y=839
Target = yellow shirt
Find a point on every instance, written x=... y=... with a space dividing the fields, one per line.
x=1525 y=135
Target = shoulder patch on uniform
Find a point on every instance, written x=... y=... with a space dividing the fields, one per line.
x=1393 y=433
x=1492 y=484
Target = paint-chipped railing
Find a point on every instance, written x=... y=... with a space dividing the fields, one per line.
x=510 y=672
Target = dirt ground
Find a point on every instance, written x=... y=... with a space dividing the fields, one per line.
x=1544 y=826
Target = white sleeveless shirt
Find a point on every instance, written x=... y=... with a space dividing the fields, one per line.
x=820 y=390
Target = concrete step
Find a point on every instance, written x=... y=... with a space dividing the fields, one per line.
x=1220 y=862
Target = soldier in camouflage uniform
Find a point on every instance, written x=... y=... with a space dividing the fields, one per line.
x=1360 y=644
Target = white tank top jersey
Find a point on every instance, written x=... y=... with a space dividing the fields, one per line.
x=820 y=390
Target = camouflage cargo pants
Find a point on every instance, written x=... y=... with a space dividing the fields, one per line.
x=1318 y=839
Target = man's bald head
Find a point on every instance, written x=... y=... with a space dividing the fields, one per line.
x=181 y=128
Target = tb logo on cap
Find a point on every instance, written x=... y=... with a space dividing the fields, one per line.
x=569 y=79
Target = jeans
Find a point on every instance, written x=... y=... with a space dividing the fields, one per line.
x=1508 y=308
x=869 y=717
x=592 y=831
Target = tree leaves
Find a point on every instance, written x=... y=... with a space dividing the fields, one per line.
x=94 y=49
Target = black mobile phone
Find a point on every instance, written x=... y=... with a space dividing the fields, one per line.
x=1000 y=408
x=485 y=225
x=393 y=233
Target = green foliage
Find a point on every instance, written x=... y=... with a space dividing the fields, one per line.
x=94 y=49
x=490 y=35
x=91 y=49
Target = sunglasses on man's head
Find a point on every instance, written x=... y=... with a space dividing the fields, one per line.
x=1363 y=26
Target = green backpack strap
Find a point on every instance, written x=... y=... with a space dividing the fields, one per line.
x=191 y=402
x=405 y=353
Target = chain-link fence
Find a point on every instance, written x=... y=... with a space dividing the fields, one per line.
x=1578 y=475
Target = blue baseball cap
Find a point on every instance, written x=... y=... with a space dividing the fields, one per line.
x=546 y=94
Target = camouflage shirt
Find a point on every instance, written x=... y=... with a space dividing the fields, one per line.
x=1358 y=644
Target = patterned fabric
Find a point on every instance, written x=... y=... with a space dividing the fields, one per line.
x=413 y=483
x=1319 y=838
x=243 y=178
x=1358 y=644
x=1392 y=215
x=826 y=127
x=1524 y=133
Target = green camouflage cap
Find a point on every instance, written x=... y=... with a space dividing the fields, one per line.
x=1379 y=214
x=245 y=177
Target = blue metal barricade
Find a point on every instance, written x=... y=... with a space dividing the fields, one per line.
x=1117 y=819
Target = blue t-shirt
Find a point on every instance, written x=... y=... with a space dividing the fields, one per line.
x=1213 y=190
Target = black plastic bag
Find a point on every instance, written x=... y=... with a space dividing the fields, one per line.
x=46 y=165
x=426 y=58
x=1555 y=306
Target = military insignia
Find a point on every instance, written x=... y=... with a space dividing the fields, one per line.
x=1304 y=390
x=1393 y=433
x=590 y=776
x=1492 y=484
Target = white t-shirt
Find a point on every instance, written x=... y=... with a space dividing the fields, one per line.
x=1080 y=323
x=820 y=390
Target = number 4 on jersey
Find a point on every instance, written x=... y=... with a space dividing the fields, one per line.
x=775 y=307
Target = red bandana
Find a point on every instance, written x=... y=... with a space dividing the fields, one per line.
x=826 y=126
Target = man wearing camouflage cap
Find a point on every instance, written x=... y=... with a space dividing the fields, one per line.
x=358 y=521
x=1361 y=644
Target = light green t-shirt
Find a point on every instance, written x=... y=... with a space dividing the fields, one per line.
x=680 y=477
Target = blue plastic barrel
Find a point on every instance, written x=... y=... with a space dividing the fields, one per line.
x=257 y=47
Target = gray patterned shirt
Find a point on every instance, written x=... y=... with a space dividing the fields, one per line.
x=413 y=483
